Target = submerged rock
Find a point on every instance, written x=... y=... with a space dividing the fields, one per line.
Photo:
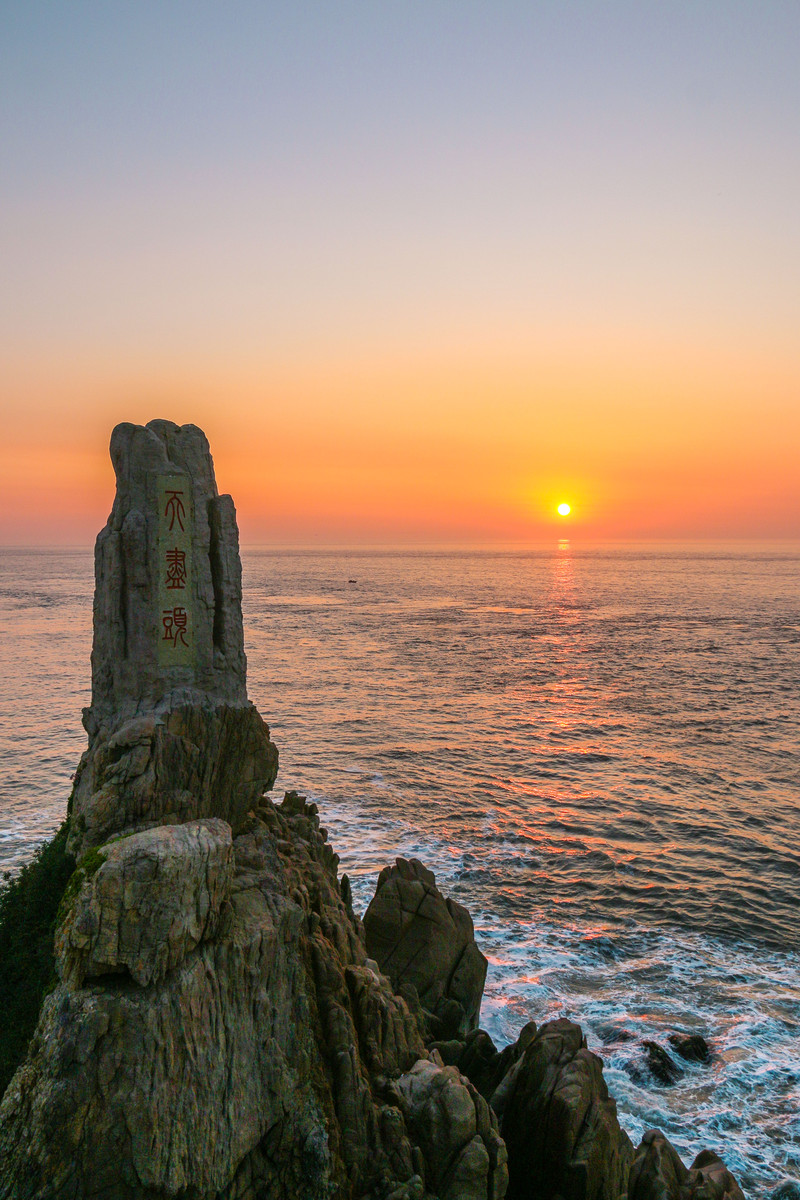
x=660 y=1064
x=426 y=943
x=692 y=1047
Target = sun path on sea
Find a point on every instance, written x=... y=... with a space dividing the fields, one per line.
x=220 y=1023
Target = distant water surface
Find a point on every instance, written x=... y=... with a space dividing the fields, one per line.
x=597 y=751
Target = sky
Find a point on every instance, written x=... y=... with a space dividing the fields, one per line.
x=421 y=271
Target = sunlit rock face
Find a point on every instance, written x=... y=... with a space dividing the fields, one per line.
x=148 y=901
x=171 y=543
x=426 y=942
x=172 y=735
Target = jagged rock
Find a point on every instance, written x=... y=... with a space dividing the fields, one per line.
x=152 y=898
x=710 y=1179
x=660 y=1065
x=465 y=1158
x=426 y=942
x=484 y=1065
x=177 y=763
x=254 y=1068
x=560 y=1125
x=692 y=1047
x=658 y=1173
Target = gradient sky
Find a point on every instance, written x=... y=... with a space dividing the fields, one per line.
x=420 y=270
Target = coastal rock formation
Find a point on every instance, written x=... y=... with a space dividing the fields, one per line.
x=178 y=763
x=150 y=900
x=172 y=735
x=166 y=500
x=220 y=1028
x=658 y=1173
x=253 y=1068
x=488 y=1070
x=426 y=943
x=465 y=1158
x=560 y=1124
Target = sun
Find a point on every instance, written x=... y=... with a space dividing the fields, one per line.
x=564 y=510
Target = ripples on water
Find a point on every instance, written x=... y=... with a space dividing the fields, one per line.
x=596 y=751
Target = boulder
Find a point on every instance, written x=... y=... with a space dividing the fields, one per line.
x=142 y=903
x=657 y=1172
x=692 y=1047
x=661 y=1065
x=464 y=1156
x=710 y=1179
x=559 y=1123
x=426 y=943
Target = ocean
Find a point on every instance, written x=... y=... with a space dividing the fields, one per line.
x=596 y=750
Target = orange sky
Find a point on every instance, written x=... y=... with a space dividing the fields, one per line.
x=478 y=443
x=420 y=273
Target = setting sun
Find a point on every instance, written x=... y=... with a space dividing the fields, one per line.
x=564 y=510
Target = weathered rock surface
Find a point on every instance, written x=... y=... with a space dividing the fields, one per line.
x=465 y=1158
x=485 y=1067
x=222 y=1029
x=255 y=1067
x=127 y=676
x=560 y=1125
x=658 y=1173
x=152 y=898
x=177 y=763
x=172 y=735
x=426 y=944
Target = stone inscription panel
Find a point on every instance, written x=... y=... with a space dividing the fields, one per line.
x=175 y=590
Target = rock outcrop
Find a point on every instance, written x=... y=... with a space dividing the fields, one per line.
x=172 y=735
x=255 y=1066
x=150 y=899
x=658 y=1173
x=465 y=1158
x=426 y=945
x=223 y=1026
x=560 y=1124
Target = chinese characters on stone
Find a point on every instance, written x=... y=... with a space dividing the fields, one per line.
x=175 y=621
x=176 y=568
x=175 y=612
x=174 y=509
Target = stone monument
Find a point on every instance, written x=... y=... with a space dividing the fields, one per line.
x=172 y=735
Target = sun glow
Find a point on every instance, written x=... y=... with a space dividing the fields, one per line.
x=564 y=510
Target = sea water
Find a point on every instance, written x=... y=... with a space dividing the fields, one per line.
x=597 y=750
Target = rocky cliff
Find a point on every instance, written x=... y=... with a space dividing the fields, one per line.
x=222 y=1024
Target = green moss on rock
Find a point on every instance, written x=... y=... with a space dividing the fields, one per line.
x=29 y=904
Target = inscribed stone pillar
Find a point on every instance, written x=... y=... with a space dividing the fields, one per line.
x=172 y=735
